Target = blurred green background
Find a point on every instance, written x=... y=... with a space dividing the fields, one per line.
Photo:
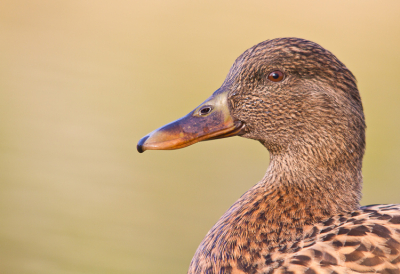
x=82 y=81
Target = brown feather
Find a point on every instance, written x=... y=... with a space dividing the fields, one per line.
x=304 y=215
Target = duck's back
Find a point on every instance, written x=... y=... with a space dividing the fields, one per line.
x=365 y=241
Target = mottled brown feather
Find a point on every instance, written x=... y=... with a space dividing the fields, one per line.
x=304 y=215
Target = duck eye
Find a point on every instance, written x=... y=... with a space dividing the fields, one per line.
x=205 y=110
x=276 y=76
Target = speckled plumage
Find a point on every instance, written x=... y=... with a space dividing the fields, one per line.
x=304 y=215
x=300 y=102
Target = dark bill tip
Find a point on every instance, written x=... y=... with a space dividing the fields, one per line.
x=140 y=144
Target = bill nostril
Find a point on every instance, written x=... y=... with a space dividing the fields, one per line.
x=205 y=110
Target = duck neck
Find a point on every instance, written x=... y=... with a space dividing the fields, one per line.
x=283 y=207
x=295 y=193
x=316 y=189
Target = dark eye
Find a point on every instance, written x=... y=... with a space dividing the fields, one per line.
x=276 y=76
x=205 y=110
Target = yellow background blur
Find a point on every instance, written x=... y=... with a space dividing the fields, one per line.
x=82 y=81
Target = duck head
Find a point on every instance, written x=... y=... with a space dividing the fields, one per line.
x=290 y=94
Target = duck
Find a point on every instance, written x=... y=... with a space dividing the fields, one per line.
x=303 y=105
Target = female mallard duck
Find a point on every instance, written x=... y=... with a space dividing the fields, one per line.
x=304 y=216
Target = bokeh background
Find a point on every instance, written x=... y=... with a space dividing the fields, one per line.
x=82 y=81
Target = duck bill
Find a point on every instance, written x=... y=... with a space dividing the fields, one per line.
x=210 y=120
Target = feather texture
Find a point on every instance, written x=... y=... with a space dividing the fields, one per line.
x=304 y=215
